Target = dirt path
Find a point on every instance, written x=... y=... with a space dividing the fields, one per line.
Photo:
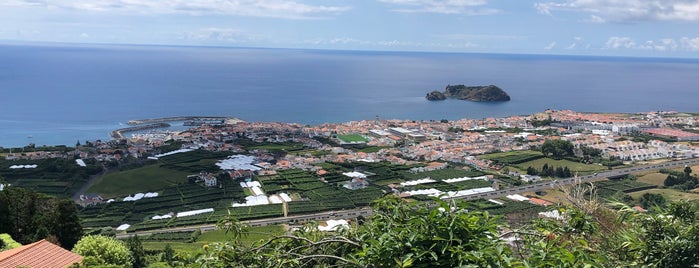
x=90 y=181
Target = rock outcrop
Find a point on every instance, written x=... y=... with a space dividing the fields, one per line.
x=489 y=93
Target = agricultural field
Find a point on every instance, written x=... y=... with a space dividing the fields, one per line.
x=173 y=199
x=669 y=194
x=607 y=188
x=352 y=138
x=139 y=180
x=308 y=192
x=573 y=166
x=167 y=171
x=58 y=176
x=317 y=195
x=181 y=241
x=653 y=178
x=512 y=158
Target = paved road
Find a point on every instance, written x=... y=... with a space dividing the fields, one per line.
x=354 y=213
x=340 y=214
x=606 y=174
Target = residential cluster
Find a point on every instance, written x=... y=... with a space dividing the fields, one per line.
x=627 y=137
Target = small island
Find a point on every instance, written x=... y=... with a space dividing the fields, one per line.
x=489 y=93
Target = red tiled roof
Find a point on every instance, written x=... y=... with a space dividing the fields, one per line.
x=670 y=132
x=639 y=209
x=41 y=254
x=540 y=202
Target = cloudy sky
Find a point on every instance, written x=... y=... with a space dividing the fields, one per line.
x=655 y=28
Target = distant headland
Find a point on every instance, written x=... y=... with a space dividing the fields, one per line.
x=155 y=123
x=489 y=93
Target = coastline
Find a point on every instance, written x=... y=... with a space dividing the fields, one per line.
x=155 y=123
x=118 y=134
x=182 y=118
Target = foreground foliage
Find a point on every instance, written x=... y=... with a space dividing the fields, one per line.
x=398 y=234
x=29 y=216
x=440 y=234
x=100 y=250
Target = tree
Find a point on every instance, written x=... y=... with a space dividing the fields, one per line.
x=666 y=239
x=408 y=234
x=560 y=172
x=532 y=171
x=6 y=242
x=649 y=200
x=102 y=250
x=168 y=254
x=687 y=171
x=567 y=173
x=68 y=229
x=545 y=169
x=41 y=233
x=138 y=255
x=589 y=151
x=27 y=215
x=557 y=149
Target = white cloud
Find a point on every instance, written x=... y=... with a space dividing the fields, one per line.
x=577 y=43
x=398 y=44
x=550 y=46
x=627 y=10
x=616 y=42
x=337 y=41
x=464 y=7
x=256 y=8
x=665 y=44
x=213 y=34
x=481 y=37
x=353 y=41
x=690 y=44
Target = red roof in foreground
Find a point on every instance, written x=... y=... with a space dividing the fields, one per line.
x=41 y=254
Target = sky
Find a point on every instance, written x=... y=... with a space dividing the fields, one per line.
x=646 y=28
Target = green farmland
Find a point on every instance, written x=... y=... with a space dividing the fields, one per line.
x=573 y=166
x=182 y=241
x=512 y=158
x=168 y=171
x=143 y=179
x=352 y=138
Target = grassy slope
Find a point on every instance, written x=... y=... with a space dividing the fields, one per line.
x=573 y=166
x=256 y=234
x=143 y=179
x=653 y=178
x=670 y=194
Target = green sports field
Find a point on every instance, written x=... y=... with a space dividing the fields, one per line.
x=349 y=138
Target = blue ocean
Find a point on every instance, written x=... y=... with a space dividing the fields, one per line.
x=61 y=94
